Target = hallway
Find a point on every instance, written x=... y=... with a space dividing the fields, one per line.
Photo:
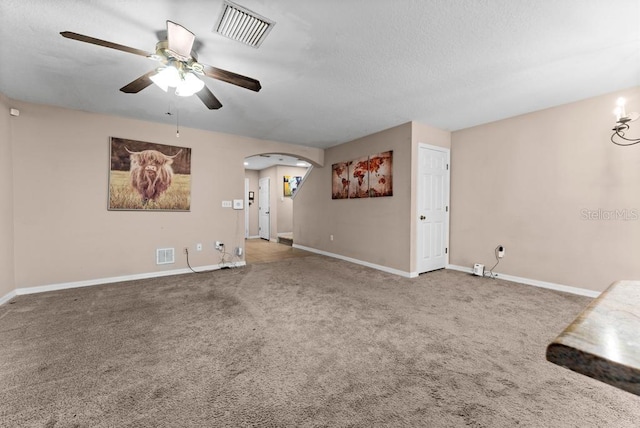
x=263 y=251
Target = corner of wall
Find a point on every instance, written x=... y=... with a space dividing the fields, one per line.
x=7 y=266
x=356 y=228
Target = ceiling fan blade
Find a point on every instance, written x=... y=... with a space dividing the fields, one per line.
x=180 y=40
x=208 y=99
x=233 y=78
x=139 y=84
x=106 y=44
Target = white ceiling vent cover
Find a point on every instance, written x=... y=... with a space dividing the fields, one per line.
x=165 y=256
x=240 y=24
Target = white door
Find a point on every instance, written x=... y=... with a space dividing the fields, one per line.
x=264 y=219
x=433 y=208
x=246 y=208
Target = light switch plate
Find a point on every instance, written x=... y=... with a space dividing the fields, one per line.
x=238 y=204
x=226 y=204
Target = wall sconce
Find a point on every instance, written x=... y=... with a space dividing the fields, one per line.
x=251 y=197
x=622 y=125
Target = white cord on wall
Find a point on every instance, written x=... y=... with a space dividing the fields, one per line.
x=490 y=273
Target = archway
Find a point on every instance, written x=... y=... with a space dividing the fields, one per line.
x=285 y=174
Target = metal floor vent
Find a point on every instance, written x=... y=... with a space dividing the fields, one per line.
x=165 y=256
x=240 y=24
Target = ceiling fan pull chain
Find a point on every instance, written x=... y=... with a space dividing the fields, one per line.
x=177 y=121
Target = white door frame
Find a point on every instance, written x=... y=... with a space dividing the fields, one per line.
x=447 y=202
x=264 y=195
x=246 y=208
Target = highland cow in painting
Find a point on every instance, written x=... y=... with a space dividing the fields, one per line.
x=149 y=176
x=151 y=173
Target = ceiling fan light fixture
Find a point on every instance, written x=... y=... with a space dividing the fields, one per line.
x=243 y=25
x=186 y=83
x=189 y=85
x=179 y=66
x=166 y=77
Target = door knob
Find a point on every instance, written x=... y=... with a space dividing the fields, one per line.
x=422 y=217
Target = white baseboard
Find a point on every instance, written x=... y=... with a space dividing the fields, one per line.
x=4 y=299
x=358 y=262
x=254 y=237
x=63 y=286
x=100 y=281
x=535 y=282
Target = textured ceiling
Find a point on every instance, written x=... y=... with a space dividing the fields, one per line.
x=263 y=161
x=332 y=70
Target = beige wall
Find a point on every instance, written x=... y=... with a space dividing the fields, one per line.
x=6 y=196
x=253 y=177
x=523 y=182
x=62 y=229
x=285 y=204
x=426 y=134
x=374 y=230
x=526 y=182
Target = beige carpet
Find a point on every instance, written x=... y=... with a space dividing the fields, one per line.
x=304 y=342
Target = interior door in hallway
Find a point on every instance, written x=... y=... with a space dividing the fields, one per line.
x=264 y=218
x=433 y=208
x=246 y=208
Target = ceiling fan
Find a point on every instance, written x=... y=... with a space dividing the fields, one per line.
x=179 y=66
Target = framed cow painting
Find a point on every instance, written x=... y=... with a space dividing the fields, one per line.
x=149 y=176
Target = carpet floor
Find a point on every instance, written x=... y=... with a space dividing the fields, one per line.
x=306 y=342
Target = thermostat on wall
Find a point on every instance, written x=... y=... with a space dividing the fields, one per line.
x=238 y=204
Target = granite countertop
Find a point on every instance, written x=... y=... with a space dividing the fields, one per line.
x=604 y=341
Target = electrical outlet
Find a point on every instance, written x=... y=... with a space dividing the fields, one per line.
x=198 y=247
x=330 y=237
x=219 y=245
x=500 y=251
x=238 y=251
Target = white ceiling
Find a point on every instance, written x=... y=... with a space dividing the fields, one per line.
x=263 y=161
x=333 y=70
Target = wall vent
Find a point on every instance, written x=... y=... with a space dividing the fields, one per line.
x=165 y=256
x=240 y=24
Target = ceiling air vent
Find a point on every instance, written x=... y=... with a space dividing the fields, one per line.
x=240 y=24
